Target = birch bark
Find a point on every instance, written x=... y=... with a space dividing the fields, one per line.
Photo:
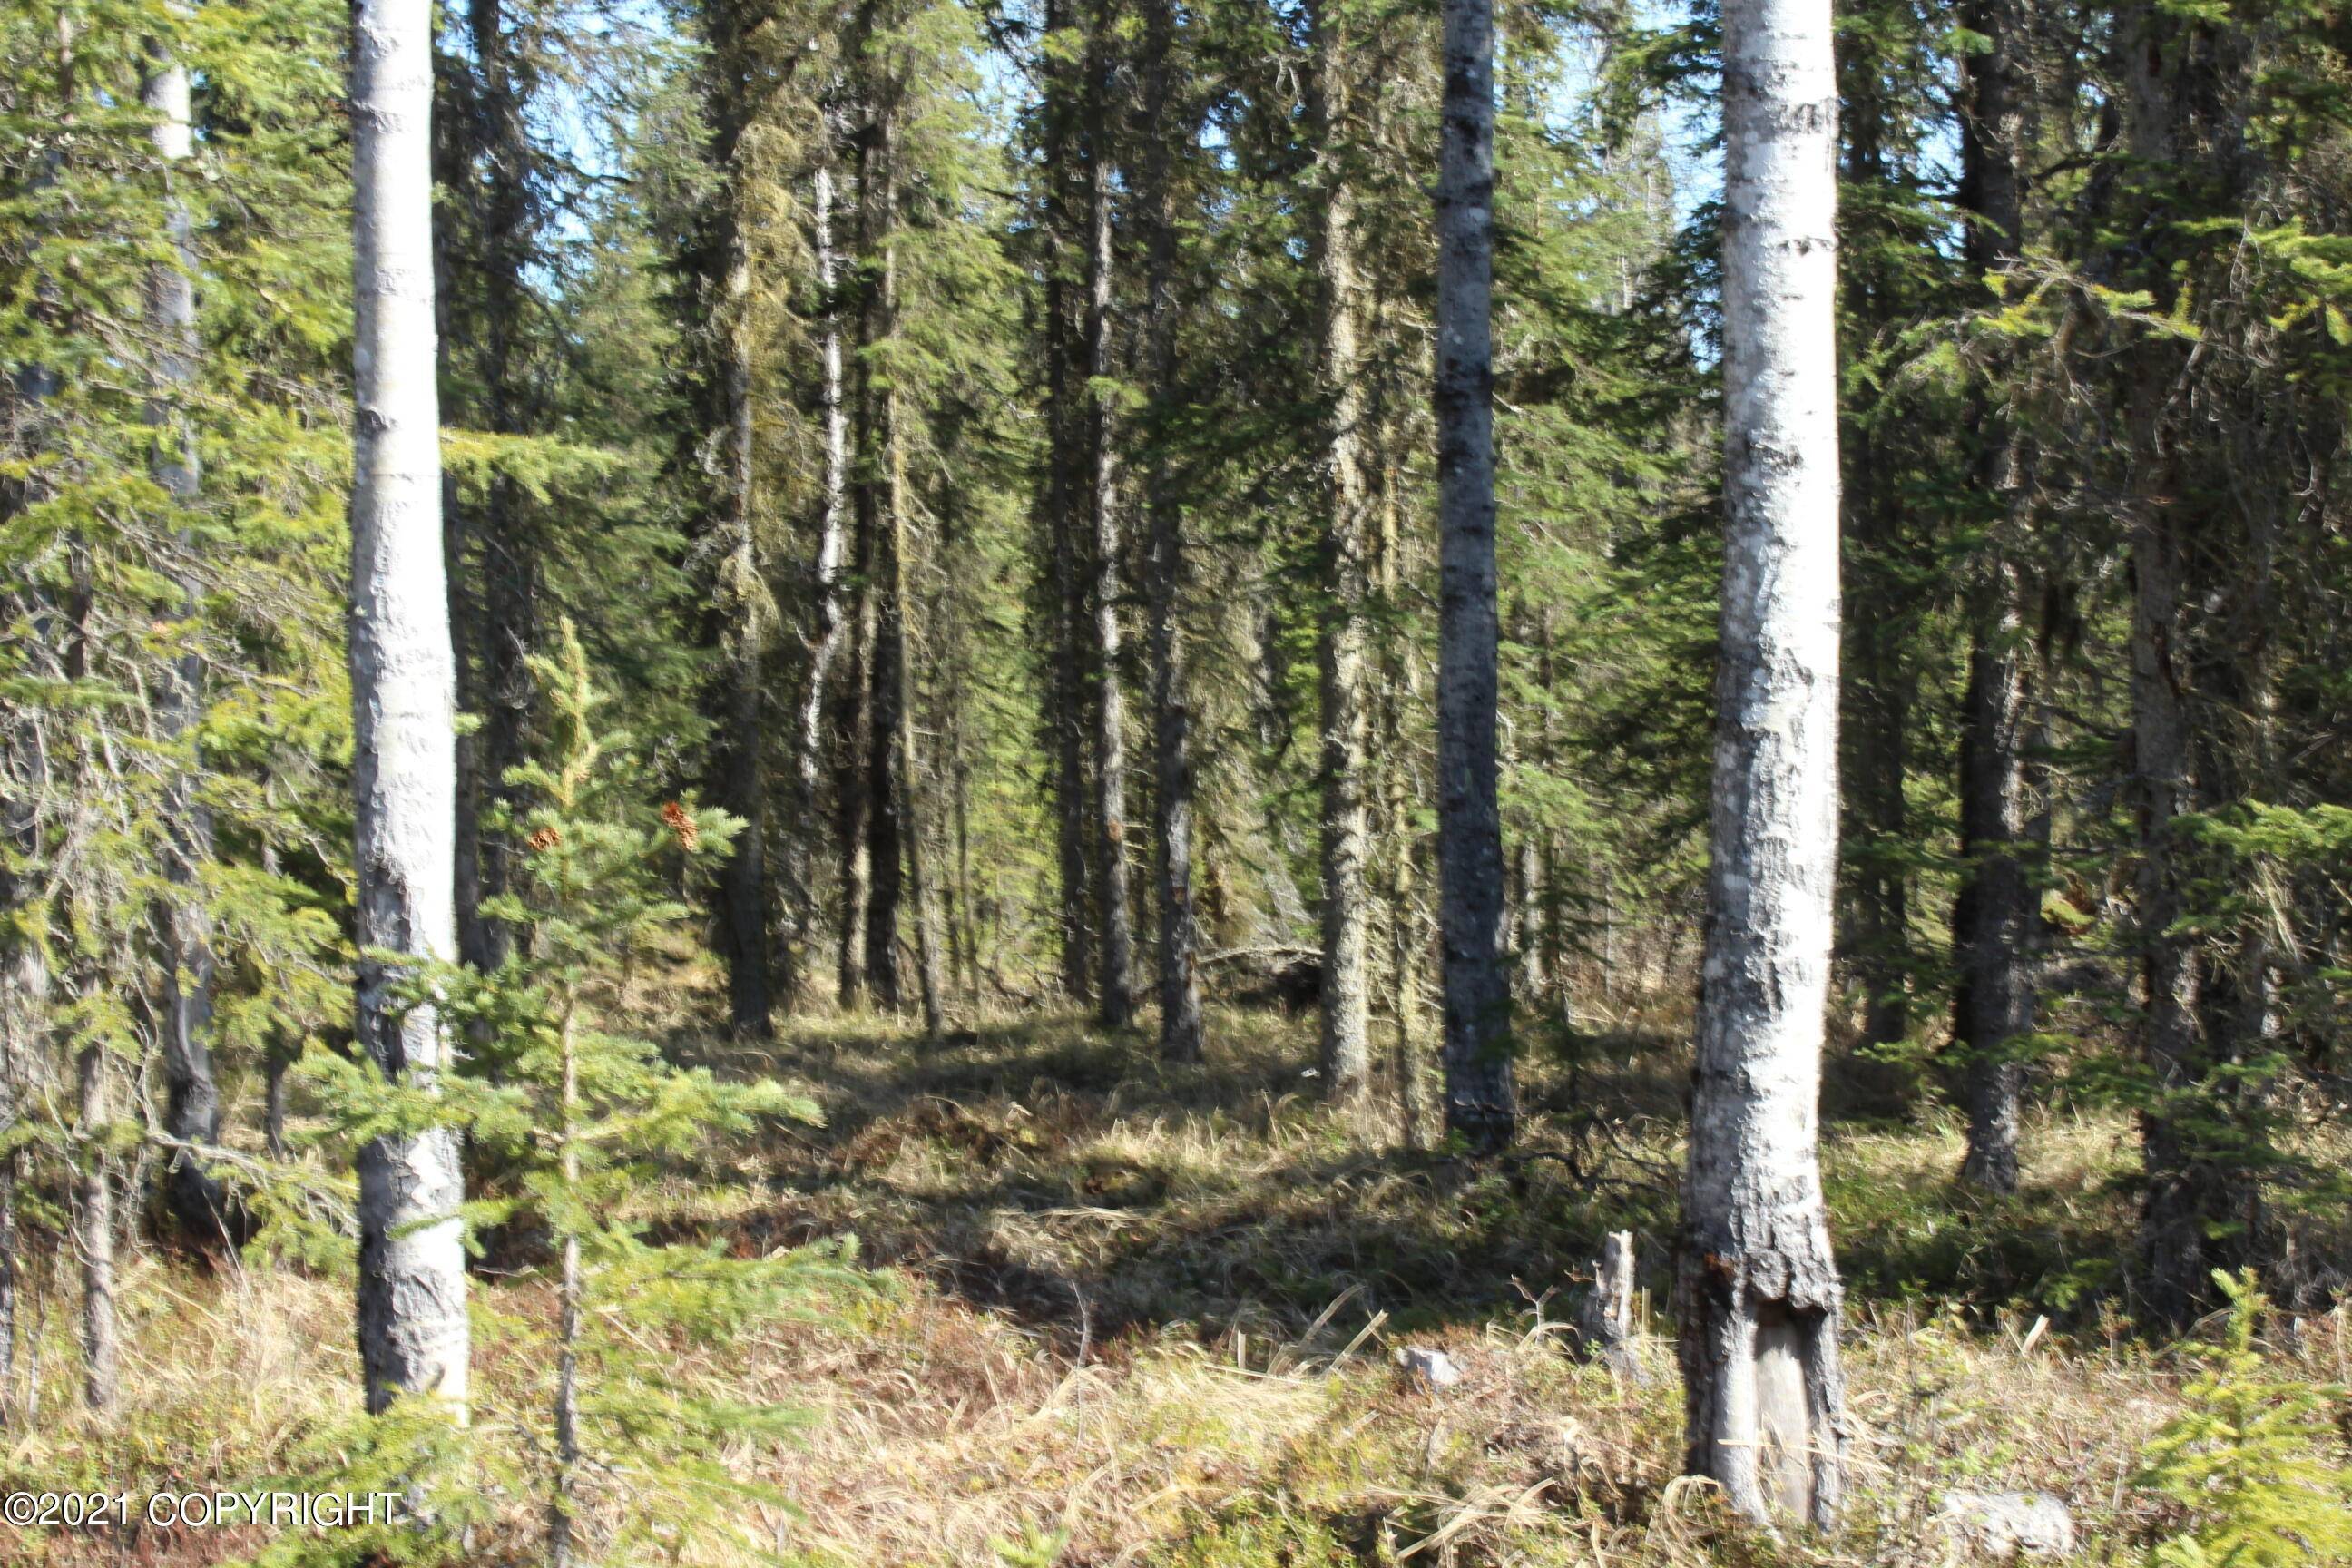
x=1759 y=1289
x=413 y=1336
x=828 y=633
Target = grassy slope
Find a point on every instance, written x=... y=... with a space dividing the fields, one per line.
x=1145 y=1316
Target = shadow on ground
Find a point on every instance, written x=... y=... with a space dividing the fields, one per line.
x=1073 y=1181
x=1096 y=1192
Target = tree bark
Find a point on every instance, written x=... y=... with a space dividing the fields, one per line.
x=851 y=788
x=93 y=1235
x=1876 y=690
x=1480 y=1102
x=1170 y=580
x=508 y=605
x=413 y=1334
x=929 y=983
x=2195 y=1190
x=1759 y=1289
x=870 y=478
x=743 y=882
x=570 y=1297
x=1401 y=692
x=1065 y=589
x=1993 y=916
x=735 y=624
x=1346 y=842
x=1116 y=1005
x=829 y=632
x=886 y=827
x=24 y=996
x=199 y=1203
x=1066 y=718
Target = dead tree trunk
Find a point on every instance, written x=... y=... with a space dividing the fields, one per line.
x=1605 y=1317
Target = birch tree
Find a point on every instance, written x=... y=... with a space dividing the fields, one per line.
x=828 y=632
x=412 y=1274
x=1759 y=1289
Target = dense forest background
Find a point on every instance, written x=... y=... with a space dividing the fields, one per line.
x=940 y=501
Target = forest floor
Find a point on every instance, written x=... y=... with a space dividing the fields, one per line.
x=1132 y=1314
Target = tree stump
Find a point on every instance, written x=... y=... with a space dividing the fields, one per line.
x=1605 y=1317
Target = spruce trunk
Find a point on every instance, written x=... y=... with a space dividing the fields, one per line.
x=1169 y=582
x=885 y=745
x=191 y=1113
x=1480 y=1102
x=2197 y=1189
x=1993 y=916
x=509 y=567
x=1346 y=843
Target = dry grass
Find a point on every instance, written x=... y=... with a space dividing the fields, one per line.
x=1145 y=1316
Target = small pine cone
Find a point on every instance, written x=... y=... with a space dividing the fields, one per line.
x=544 y=839
x=681 y=822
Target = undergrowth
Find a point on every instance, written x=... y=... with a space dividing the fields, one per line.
x=1146 y=1318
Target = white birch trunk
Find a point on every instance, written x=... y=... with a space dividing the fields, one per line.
x=826 y=647
x=412 y=1279
x=1760 y=1289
